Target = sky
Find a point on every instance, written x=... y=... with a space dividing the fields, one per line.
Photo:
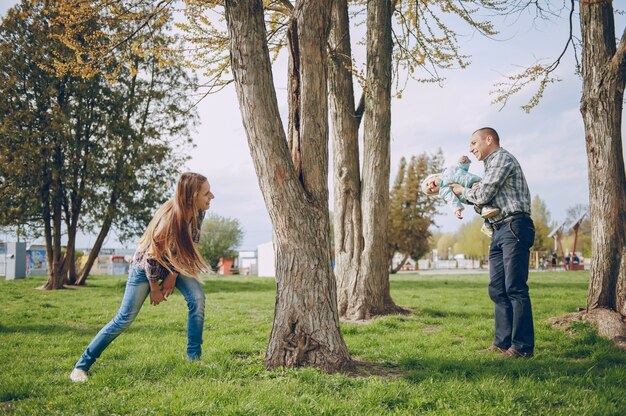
x=548 y=142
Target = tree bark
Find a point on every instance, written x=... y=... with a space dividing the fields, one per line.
x=348 y=230
x=604 y=74
x=56 y=279
x=376 y=163
x=306 y=324
x=360 y=247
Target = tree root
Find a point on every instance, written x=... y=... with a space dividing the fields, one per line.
x=608 y=323
x=300 y=344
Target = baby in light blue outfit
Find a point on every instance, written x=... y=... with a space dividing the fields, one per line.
x=459 y=173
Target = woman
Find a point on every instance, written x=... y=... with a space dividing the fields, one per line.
x=165 y=258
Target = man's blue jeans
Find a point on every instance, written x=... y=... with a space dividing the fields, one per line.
x=137 y=290
x=509 y=254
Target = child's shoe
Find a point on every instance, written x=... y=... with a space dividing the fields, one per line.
x=488 y=212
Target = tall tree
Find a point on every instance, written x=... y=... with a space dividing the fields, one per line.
x=444 y=243
x=471 y=242
x=361 y=265
x=306 y=322
x=604 y=77
x=46 y=121
x=77 y=140
x=603 y=69
x=219 y=238
x=541 y=219
x=149 y=119
x=363 y=283
x=411 y=212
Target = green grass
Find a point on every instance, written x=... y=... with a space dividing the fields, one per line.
x=430 y=356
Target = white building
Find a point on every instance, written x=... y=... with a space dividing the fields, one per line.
x=265 y=259
x=247 y=262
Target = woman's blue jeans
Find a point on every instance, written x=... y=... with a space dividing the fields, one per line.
x=137 y=290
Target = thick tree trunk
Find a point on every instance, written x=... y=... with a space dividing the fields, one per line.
x=56 y=279
x=306 y=323
x=604 y=74
x=348 y=228
x=361 y=265
x=376 y=164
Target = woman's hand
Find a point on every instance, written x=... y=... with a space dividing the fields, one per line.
x=167 y=287
x=156 y=294
x=156 y=297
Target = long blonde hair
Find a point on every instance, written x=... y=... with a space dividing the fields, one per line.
x=168 y=237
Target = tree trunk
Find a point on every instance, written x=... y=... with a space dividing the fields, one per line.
x=95 y=250
x=56 y=279
x=376 y=164
x=69 y=262
x=348 y=228
x=400 y=265
x=306 y=323
x=361 y=265
x=604 y=73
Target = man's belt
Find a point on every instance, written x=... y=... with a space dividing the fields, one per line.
x=510 y=217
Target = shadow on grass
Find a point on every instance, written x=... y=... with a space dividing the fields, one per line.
x=418 y=369
x=479 y=285
x=437 y=313
x=438 y=284
x=46 y=329
x=229 y=286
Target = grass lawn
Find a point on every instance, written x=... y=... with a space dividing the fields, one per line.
x=431 y=356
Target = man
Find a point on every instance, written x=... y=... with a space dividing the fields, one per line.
x=504 y=186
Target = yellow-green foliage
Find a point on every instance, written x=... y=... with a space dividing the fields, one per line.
x=471 y=241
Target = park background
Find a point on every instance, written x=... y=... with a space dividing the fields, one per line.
x=548 y=142
x=426 y=362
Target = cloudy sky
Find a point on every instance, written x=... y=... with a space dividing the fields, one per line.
x=548 y=142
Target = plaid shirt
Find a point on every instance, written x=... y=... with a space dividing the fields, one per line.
x=503 y=186
x=155 y=271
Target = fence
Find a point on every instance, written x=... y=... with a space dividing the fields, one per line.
x=3 y=261
x=468 y=264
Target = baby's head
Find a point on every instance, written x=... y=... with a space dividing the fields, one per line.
x=464 y=160
x=430 y=185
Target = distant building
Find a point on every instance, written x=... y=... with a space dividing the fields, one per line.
x=265 y=259
x=247 y=262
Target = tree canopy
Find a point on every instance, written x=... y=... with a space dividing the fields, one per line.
x=84 y=153
x=543 y=226
x=411 y=212
x=219 y=238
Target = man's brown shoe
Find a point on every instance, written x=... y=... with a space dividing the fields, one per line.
x=513 y=353
x=494 y=348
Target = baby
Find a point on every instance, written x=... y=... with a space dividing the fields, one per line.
x=438 y=183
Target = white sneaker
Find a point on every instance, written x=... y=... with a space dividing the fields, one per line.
x=78 y=376
x=485 y=229
x=488 y=212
